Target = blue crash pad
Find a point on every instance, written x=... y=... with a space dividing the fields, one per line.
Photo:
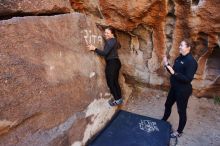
x=129 y=129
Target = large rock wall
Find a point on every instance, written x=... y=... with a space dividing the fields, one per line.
x=10 y=8
x=150 y=29
x=53 y=90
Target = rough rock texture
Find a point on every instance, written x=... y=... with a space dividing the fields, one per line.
x=204 y=23
x=150 y=29
x=49 y=82
x=31 y=7
x=53 y=91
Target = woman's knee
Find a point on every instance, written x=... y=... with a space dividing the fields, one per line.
x=182 y=112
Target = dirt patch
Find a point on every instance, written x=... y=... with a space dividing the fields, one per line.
x=202 y=127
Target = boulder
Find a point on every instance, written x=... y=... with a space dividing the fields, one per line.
x=31 y=7
x=51 y=86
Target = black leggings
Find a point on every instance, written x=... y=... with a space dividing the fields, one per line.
x=181 y=98
x=112 y=73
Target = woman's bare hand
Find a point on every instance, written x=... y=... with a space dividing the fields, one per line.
x=91 y=47
x=170 y=69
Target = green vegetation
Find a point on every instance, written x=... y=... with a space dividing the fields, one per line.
x=217 y=100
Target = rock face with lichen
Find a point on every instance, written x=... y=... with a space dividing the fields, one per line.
x=53 y=90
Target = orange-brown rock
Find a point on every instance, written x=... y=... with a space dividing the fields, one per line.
x=51 y=86
x=127 y=15
x=32 y=7
x=167 y=23
x=49 y=81
x=154 y=28
x=204 y=24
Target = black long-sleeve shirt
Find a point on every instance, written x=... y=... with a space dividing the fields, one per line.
x=184 y=67
x=110 y=49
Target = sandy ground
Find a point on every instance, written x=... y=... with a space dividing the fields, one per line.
x=202 y=127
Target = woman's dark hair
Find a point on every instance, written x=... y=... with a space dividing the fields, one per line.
x=188 y=42
x=114 y=34
x=112 y=30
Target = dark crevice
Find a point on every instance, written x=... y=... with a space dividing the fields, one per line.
x=200 y=46
x=171 y=6
x=25 y=14
x=212 y=74
x=195 y=2
x=213 y=66
x=170 y=24
x=171 y=15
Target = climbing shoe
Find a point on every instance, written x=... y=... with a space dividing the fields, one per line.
x=115 y=102
x=175 y=134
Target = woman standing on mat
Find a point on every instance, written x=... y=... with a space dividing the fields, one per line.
x=113 y=64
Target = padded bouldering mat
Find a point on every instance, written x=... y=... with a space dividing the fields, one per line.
x=129 y=129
